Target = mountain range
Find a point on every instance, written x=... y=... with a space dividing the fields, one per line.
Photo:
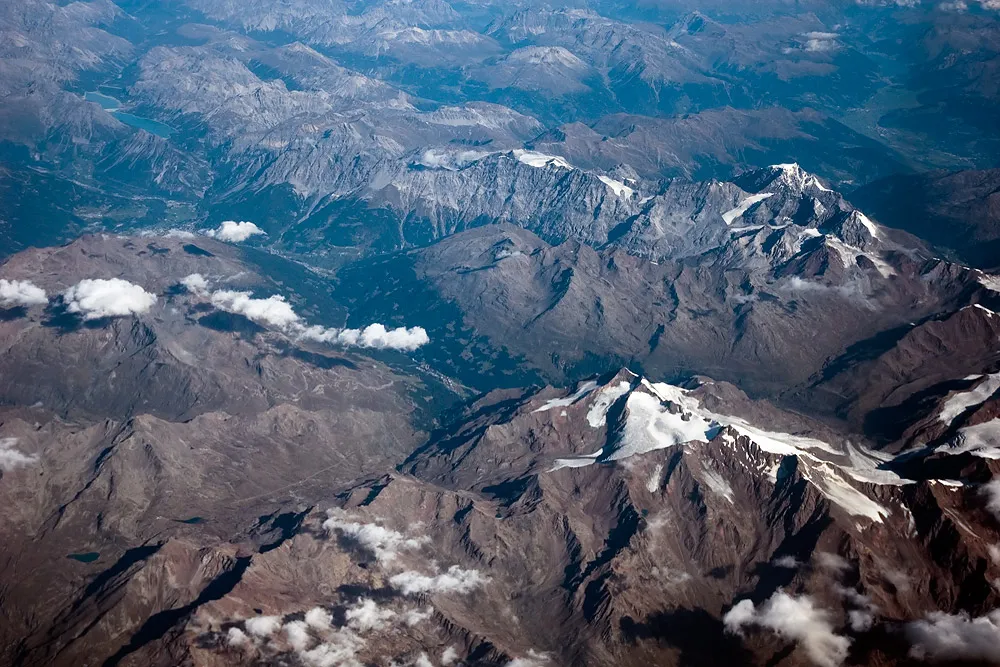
x=415 y=332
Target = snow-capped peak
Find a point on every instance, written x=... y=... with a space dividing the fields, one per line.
x=791 y=174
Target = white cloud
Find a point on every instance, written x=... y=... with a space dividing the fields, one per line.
x=298 y=635
x=374 y=335
x=862 y=617
x=238 y=638
x=861 y=620
x=449 y=656
x=383 y=543
x=277 y=312
x=339 y=649
x=11 y=458
x=263 y=626
x=533 y=659
x=821 y=42
x=21 y=293
x=788 y=562
x=796 y=619
x=234 y=232
x=455 y=580
x=97 y=298
x=273 y=310
x=416 y=616
x=318 y=618
x=943 y=636
x=992 y=492
x=367 y=615
x=423 y=661
x=439 y=159
x=830 y=561
x=196 y=284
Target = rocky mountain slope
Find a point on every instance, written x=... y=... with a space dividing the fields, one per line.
x=200 y=473
x=958 y=212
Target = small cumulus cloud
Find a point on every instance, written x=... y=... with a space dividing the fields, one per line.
x=11 y=458
x=449 y=656
x=820 y=42
x=21 y=293
x=383 y=543
x=942 y=636
x=991 y=491
x=339 y=648
x=316 y=640
x=416 y=616
x=832 y=562
x=318 y=618
x=788 y=562
x=97 y=298
x=298 y=635
x=533 y=659
x=263 y=626
x=455 y=580
x=797 y=619
x=276 y=312
x=862 y=617
x=273 y=310
x=374 y=336
x=237 y=638
x=439 y=159
x=196 y=284
x=235 y=232
x=367 y=615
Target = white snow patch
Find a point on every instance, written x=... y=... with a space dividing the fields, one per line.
x=654 y=480
x=869 y=225
x=982 y=440
x=990 y=282
x=717 y=483
x=729 y=216
x=541 y=160
x=576 y=461
x=962 y=401
x=619 y=188
x=650 y=427
x=598 y=414
x=849 y=256
x=983 y=308
x=584 y=389
x=840 y=492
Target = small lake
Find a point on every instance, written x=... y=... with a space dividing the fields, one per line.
x=88 y=557
x=148 y=124
x=111 y=105
x=107 y=102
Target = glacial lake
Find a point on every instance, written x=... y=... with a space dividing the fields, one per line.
x=88 y=557
x=111 y=105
